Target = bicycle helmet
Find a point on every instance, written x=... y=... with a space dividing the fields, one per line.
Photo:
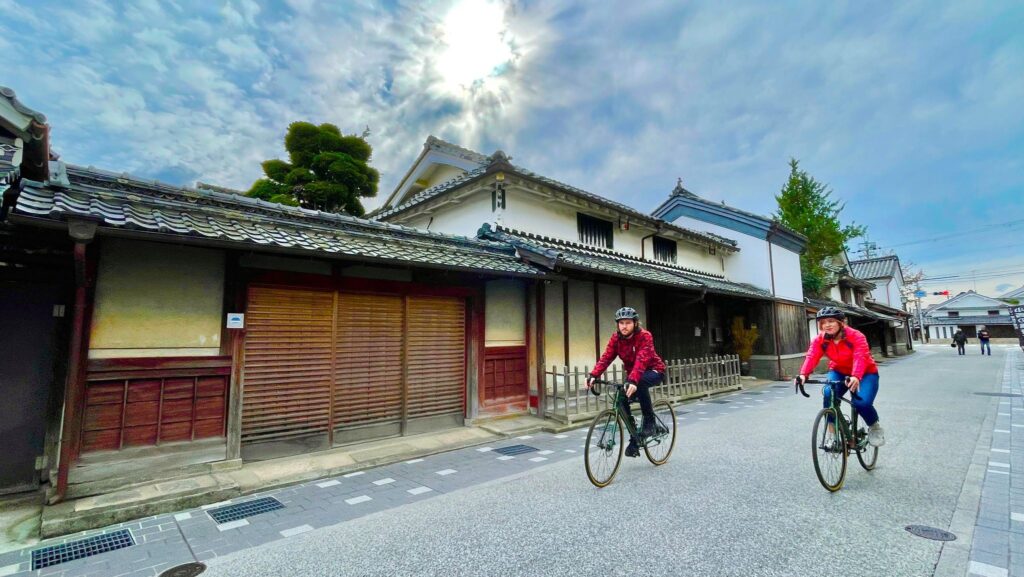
x=830 y=313
x=627 y=313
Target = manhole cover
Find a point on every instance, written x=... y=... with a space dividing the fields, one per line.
x=186 y=570
x=930 y=533
x=998 y=394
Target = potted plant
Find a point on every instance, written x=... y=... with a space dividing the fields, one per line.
x=743 y=340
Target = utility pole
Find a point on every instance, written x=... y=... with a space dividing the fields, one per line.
x=868 y=248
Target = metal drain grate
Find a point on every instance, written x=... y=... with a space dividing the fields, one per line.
x=753 y=393
x=515 y=450
x=781 y=386
x=244 y=510
x=999 y=394
x=82 y=548
x=720 y=402
x=930 y=533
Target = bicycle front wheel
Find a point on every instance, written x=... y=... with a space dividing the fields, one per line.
x=603 y=453
x=828 y=448
x=659 y=447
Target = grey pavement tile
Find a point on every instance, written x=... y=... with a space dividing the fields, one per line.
x=990 y=558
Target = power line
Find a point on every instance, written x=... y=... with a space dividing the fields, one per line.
x=1008 y=224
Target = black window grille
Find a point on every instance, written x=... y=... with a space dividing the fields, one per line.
x=954 y=313
x=664 y=249
x=594 y=231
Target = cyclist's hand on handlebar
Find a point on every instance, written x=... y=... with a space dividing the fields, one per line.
x=590 y=381
x=630 y=389
x=853 y=383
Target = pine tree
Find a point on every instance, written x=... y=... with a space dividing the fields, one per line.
x=806 y=206
x=328 y=171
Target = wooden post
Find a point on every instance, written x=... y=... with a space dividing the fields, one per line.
x=74 y=390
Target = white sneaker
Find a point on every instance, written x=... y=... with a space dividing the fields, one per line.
x=876 y=436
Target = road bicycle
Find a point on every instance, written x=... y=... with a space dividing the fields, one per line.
x=831 y=445
x=605 y=444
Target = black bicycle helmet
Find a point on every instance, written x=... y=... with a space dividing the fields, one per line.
x=627 y=313
x=830 y=313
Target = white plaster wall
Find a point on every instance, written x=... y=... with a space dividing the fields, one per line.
x=582 y=348
x=529 y=212
x=462 y=219
x=637 y=298
x=505 y=313
x=554 y=334
x=609 y=301
x=788 y=280
x=751 y=264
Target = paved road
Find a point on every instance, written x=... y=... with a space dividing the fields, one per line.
x=739 y=497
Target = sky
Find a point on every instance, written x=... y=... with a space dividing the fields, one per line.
x=912 y=112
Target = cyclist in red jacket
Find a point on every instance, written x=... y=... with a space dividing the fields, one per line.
x=645 y=369
x=849 y=360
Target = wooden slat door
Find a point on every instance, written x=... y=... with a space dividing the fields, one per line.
x=288 y=363
x=368 y=378
x=436 y=361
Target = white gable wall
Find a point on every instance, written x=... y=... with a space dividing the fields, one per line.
x=751 y=264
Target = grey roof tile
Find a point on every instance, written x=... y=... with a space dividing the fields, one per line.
x=875 y=268
x=575 y=255
x=123 y=202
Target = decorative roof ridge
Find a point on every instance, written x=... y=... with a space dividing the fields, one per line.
x=722 y=204
x=606 y=252
x=235 y=201
x=874 y=258
x=441 y=144
x=12 y=97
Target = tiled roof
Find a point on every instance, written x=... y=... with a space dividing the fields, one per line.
x=123 y=202
x=884 y=309
x=873 y=268
x=679 y=190
x=435 y=191
x=556 y=252
x=10 y=96
x=1016 y=293
x=853 y=310
x=975 y=320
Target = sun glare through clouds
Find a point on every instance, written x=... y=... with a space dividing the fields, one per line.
x=476 y=44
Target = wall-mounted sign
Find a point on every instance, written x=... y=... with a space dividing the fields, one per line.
x=236 y=321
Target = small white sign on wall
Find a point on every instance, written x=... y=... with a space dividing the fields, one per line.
x=236 y=321
x=696 y=331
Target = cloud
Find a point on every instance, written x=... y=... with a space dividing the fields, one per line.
x=911 y=112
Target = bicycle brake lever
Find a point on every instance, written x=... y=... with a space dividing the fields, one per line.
x=797 y=385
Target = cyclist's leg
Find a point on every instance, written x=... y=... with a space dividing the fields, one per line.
x=833 y=375
x=643 y=392
x=865 y=406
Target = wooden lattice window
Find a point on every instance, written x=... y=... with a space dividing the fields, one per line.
x=594 y=231
x=664 y=249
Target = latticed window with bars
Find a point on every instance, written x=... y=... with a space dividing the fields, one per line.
x=664 y=249
x=594 y=231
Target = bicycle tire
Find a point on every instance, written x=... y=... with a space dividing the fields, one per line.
x=665 y=415
x=606 y=422
x=831 y=451
x=869 y=449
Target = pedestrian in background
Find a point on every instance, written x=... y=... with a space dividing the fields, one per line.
x=983 y=336
x=961 y=341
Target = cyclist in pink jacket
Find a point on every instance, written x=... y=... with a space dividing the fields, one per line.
x=850 y=361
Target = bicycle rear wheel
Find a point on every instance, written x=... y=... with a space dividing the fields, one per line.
x=868 y=454
x=603 y=453
x=828 y=448
x=659 y=447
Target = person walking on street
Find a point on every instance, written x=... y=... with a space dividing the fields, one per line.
x=961 y=341
x=983 y=336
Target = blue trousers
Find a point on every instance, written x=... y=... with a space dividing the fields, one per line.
x=643 y=395
x=985 y=345
x=867 y=391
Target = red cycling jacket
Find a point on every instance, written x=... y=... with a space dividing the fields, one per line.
x=851 y=356
x=637 y=354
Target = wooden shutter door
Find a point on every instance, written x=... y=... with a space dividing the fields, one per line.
x=368 y=380
x=436 y=362
x=287 y=368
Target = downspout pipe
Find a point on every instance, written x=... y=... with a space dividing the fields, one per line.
x=772 y=231
x=643 y=247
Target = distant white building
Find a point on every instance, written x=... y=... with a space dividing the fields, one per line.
x=970 y=312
